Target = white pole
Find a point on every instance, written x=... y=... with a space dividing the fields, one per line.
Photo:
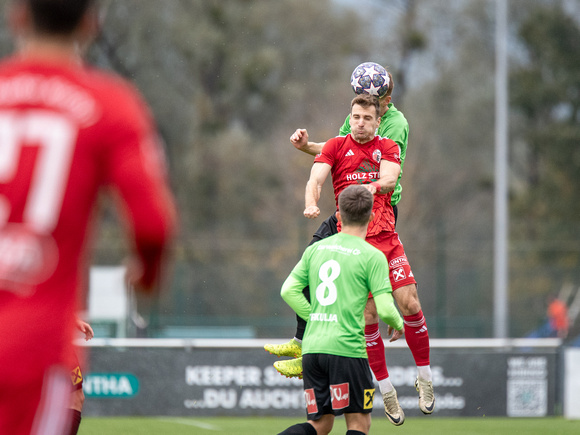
x=501 y=259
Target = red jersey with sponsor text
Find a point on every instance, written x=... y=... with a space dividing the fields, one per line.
x=355 y=163
x=66 y=130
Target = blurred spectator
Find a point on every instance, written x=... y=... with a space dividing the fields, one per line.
x=558 y=318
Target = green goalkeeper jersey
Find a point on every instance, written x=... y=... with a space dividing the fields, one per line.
x=341 y=270
x=393 y=126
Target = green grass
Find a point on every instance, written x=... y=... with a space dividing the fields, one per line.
x=271 y=426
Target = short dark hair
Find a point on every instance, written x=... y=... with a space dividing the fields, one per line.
x=57 y=17
x=367 y=100
x=391 y=86
x=355 y=204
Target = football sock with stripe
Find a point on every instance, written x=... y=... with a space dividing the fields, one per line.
x=417 y=337
x=376 y=351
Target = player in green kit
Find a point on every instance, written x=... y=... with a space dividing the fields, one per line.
x=342 y=270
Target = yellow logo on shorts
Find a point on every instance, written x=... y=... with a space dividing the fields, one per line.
x=369 y=398
x=76 y=376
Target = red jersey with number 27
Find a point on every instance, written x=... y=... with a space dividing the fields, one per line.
x=67 y=130
x=355 y=163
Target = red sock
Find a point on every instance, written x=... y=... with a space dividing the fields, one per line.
x=75 y=419
x=417 y=337
x=376 y=351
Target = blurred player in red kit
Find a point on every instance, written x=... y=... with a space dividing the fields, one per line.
x=66 y=131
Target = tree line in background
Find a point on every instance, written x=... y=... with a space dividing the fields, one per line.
x=228 y=83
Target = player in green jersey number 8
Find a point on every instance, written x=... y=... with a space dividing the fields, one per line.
x=344 y=269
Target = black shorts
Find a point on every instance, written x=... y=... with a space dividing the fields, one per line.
x=336 y=385
x=326 y=229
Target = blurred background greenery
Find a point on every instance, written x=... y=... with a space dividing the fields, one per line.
x=229 y=81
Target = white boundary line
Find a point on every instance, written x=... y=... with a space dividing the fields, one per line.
x=189 y=422
x=454 y=343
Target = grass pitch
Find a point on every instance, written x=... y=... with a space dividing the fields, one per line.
x=273 y=425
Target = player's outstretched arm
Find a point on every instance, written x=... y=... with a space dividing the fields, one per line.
x=136 y=168
x=312 y=148
x=300 y=141
x=292 y=293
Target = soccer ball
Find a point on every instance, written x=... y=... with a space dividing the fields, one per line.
x=370 y=78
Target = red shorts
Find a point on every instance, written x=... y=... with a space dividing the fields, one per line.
x=399 y=268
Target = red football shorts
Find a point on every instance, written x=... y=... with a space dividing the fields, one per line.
x=399 y=268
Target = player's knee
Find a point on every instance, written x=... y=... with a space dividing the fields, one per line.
x=413 y=307
x=407 y=299
x=358 y=423
x=323 y=426
x=371 y=320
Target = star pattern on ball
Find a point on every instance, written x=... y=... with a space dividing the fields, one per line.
x=370 y=78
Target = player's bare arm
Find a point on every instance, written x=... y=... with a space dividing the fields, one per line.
x=85 y=328
x=300 y=141
x=389 y=174
x=318 y=175
x=394 y=333
x=299 y=138
x=312 y=148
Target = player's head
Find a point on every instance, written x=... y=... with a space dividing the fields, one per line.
x=390 y=88
x=355 y=204
x=366 y=101
x=365 y=118
x=60 y=18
